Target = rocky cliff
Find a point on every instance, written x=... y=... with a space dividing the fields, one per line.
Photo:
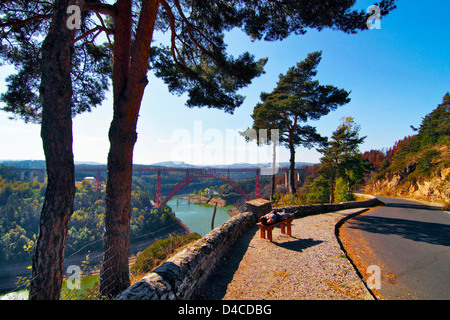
x=418 y=166
x=434 y=188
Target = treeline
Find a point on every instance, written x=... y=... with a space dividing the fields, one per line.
x=21 y=203
x=423 y=154
x=343 y=169
x=20 y=208
x=340 y=170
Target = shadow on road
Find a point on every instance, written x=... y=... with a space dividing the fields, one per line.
x=413 y=206
x=433 y=233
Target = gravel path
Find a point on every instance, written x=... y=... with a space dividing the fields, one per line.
x=309 y=265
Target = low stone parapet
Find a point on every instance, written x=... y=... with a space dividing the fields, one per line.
x=308 y=210
x=179 y=276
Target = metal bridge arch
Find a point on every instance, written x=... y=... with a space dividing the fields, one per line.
x=192 y=177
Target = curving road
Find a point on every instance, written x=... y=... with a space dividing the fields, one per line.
x=410 y=242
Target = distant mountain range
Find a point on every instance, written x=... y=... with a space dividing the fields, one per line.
x=40 y=164
x=177 y=164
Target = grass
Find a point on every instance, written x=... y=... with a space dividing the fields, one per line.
x=146 y=261
x=89 y=288
x=160 y=251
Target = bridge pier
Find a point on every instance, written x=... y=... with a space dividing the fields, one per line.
x=31 y=173
x=98 y=181
x=197 y=173
x=158 y=195
x=41 y=175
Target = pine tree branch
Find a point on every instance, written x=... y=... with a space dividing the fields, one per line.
x=104 y=26
x=190 y=27
x=16 y=23
x=97 y=28
x=99 y=7
x=173 y=48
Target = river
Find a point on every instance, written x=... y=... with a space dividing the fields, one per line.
x=197 y=217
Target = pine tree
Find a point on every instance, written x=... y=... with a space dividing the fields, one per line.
x=341 y=155
x=36 y=40
x=435 y=126
x=297 y=99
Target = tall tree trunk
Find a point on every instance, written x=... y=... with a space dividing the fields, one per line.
x=292 y=189
x=274 y=159
x=115 y=272
x=272 y=191
x=332 y=183
x=56 y=133
x=129 y=82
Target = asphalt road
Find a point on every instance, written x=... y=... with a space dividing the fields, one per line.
x=410 y=242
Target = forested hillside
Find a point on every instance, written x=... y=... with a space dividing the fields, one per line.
x=340 y=170
x=417 y=166
x=21 y=203
x=20 y=208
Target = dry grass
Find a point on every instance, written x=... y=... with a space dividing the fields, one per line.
x=158 y=252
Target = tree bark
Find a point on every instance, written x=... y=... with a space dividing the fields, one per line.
x=272 y=191
x=56 y=134
x=129 y=82
x=332 y=182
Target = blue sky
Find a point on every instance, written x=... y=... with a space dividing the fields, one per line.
x=397 y=75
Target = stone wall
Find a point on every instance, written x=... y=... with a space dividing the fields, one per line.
x=308 y=210
x=179 y=276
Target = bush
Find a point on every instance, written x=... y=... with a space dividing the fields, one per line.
x=342 y=192
x=285 y=200
x=318 y=191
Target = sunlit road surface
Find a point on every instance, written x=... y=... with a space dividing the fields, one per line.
x=410 y=242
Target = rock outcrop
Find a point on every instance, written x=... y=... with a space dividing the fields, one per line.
x=399 y=184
